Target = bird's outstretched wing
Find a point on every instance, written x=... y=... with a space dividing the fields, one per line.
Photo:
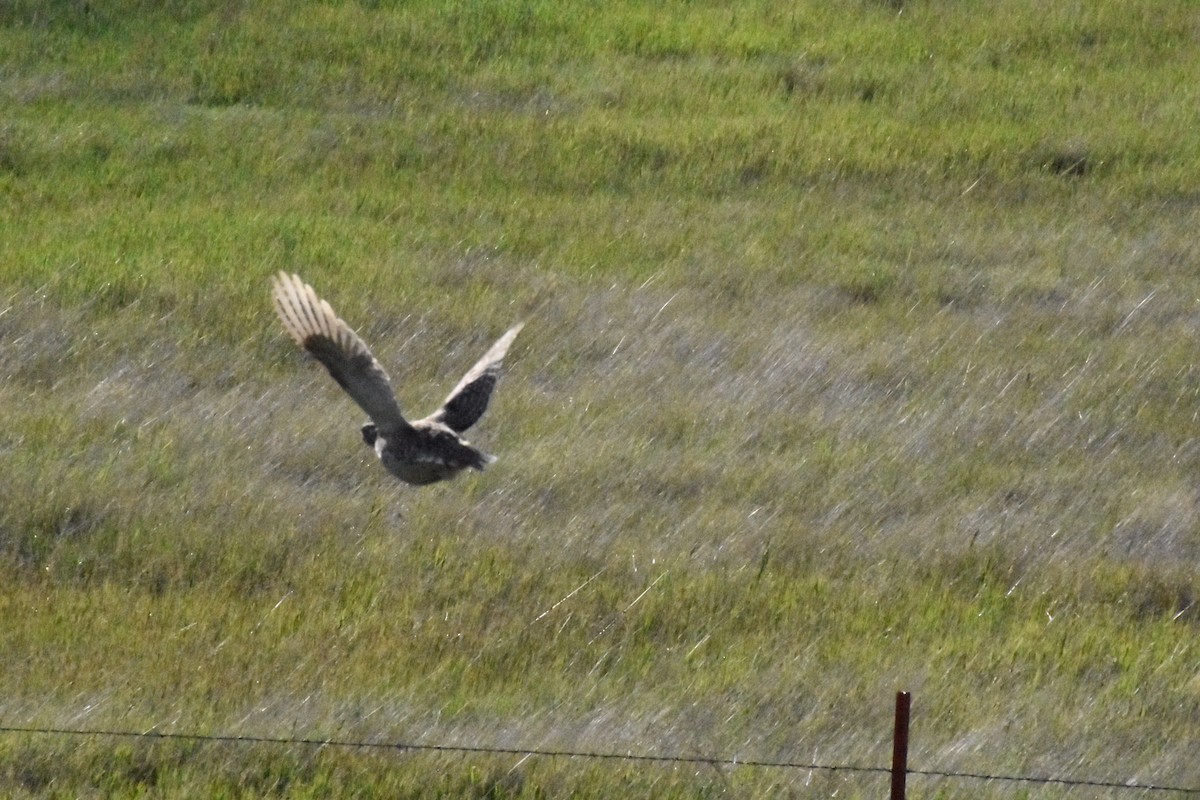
x=466 y=404
x=312 y=323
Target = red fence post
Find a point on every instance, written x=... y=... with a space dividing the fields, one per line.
x=900 y=745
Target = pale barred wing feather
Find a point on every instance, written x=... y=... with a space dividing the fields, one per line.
x=312 y=322
x=466 y=404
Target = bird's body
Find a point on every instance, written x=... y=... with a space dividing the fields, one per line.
x=426 y=452
x=420 y=452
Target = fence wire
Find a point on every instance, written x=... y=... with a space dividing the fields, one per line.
x=721 y=761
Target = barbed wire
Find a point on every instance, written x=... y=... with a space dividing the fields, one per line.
x=1095 y=784
x=724 y=761
x=445 y=748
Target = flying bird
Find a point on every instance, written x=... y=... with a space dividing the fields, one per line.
x=420 y=452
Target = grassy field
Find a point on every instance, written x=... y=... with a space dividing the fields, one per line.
x=860 y=357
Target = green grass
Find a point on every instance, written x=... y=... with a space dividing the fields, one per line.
x=859 y=357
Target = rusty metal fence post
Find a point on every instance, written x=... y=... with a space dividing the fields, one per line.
x=900 y=745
